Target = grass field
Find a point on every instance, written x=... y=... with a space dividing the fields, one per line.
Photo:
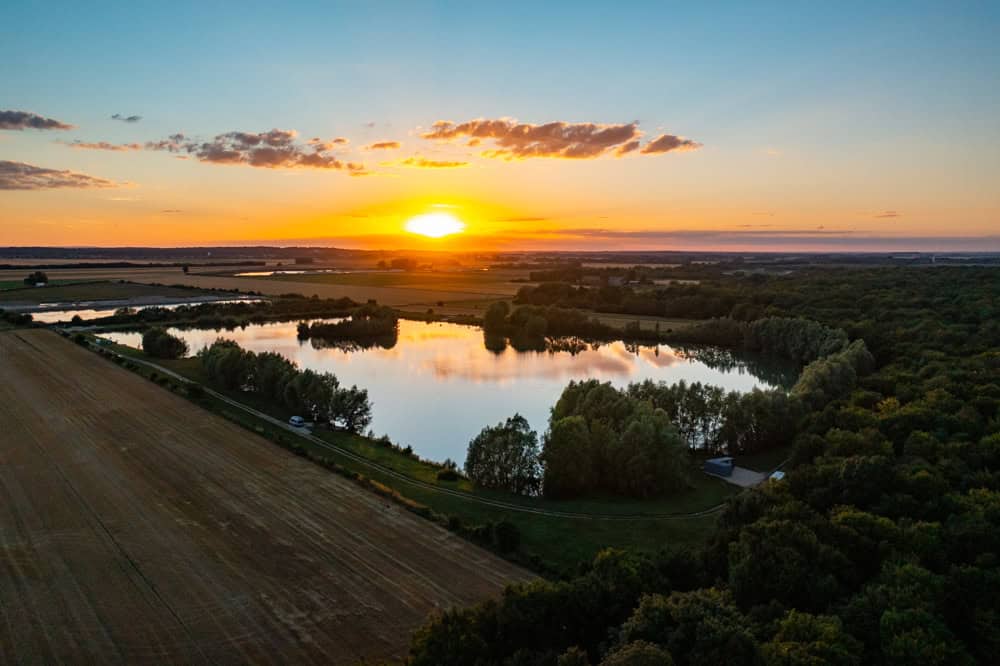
x=496 y=283
x=137 y=527
x=92 y=291
x=561 y=543
x=6 y=285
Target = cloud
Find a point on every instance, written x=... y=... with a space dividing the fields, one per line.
x=627 y=148
x=171 y=210
x=20 y=120
x=523 y=140
x=658 y=234
x=560 y=139
x=126 y=119
x=327 y=145
x=888 y=213
x=522 y=218
x=102 y=145
x=370 y=123
x=666 y=143
x=424 y=163
x=274 y=149
x=21 y=176
x=383 y=145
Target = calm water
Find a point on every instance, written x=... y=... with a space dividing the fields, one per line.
x=439 y=385
x=55 y=316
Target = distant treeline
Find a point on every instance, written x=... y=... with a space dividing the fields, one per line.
x=182 y=254
x=367 y=324
x=529 y=327
x=129 y=264
x=231 y=315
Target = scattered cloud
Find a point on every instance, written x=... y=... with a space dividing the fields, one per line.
x=383 y=145
x=21 y=120
x=772 y=152
x=171 y=210
x=425 y=163
x=102 y=145
x=21 y=176
x=666 y=143
x=523 y=140
x=522 y=218
x=658 y=234
x=126 y=119
x=887 y=214
x=559 y=139
x=324 y=144
x=627 y=148
x=370 y=123
x=274 y=149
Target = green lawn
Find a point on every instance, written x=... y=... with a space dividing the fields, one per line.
x=561 y=542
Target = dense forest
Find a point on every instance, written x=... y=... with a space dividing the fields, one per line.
x=881 y=544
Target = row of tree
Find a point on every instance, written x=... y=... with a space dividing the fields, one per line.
x=367 y=322
x=278 y=380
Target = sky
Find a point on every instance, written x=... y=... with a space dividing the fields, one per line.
x=584 y=125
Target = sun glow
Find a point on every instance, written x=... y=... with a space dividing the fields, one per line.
x=435 y=225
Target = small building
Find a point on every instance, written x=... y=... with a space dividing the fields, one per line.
x=719 y=466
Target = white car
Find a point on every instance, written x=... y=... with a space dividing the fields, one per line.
x=297 y=421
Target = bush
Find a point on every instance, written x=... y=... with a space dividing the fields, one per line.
x=447 y=475
x=160 y=344
x=506 y=536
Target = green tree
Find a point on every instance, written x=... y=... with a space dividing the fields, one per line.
x=161 y=344
x=505 y=456
x=495 y=318
x=638 y=653
x=811 y=640
x=350 y=409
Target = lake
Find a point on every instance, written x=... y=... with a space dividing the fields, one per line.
x=438 y=386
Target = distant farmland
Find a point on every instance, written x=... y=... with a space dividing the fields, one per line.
x=135 y=526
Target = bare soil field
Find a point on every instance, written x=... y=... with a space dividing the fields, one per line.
x=136 y=527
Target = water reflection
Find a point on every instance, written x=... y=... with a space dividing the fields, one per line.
x=440 y=383
x=56 y=316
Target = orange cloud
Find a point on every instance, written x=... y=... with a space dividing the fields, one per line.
x=666 y=143
x=524 y=140
x=103 y=145
x=560 y=139
x=383 y=145
x=424 y=163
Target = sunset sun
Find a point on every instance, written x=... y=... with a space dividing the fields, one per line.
x=435 y=225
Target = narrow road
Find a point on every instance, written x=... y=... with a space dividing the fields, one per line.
x=361 y=460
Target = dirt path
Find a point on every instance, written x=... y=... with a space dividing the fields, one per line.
x=136 y=527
